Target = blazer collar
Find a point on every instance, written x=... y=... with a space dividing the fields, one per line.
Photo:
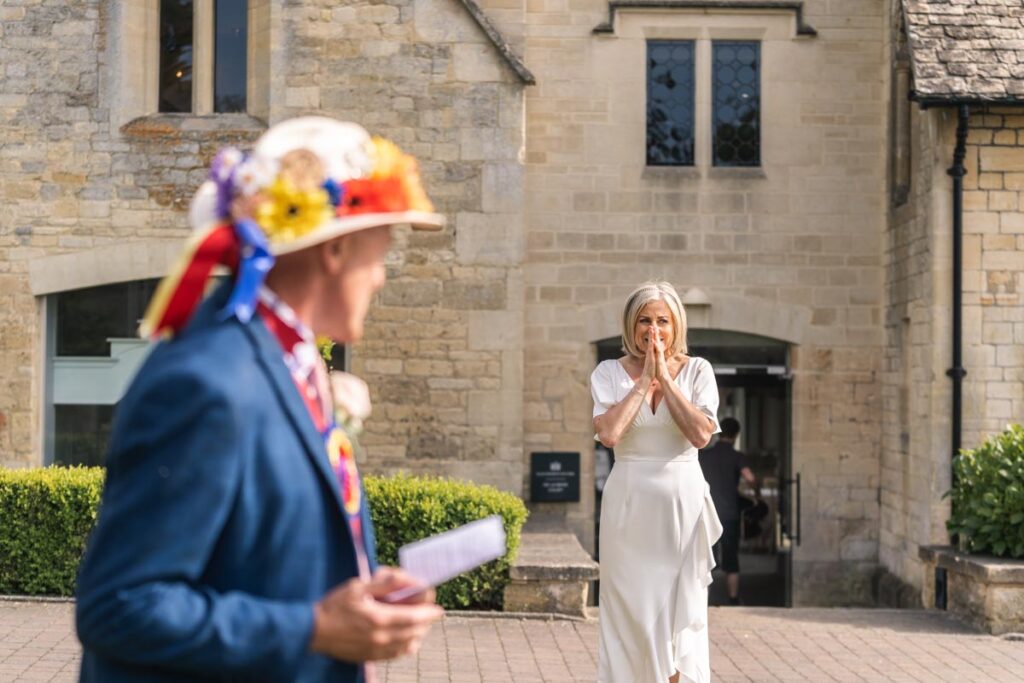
x=271 y=357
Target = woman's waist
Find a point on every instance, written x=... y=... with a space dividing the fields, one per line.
x=632 y=456
x=640 y=445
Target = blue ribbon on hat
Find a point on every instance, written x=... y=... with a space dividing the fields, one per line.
x=255 y=261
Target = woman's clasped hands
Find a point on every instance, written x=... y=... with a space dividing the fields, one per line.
x=656 y=369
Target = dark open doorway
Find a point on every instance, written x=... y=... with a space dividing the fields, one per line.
x=754 y=387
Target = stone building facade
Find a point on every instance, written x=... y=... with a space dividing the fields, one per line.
x=954 y=56
x=529 y=117
x=95 y=186
x=790 y=250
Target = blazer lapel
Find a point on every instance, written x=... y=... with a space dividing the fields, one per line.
x=269 y=352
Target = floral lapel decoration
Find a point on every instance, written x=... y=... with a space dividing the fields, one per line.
x=351 y=401
x=351 y=407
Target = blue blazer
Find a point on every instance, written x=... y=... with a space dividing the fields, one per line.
x=221 y=521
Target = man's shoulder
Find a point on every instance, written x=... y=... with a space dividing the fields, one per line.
x=717 y=447
x=723 y=453
x=220 y=358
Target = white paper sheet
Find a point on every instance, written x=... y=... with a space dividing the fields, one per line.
x=439 y=558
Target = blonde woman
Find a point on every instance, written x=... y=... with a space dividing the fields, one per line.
x=655 y=406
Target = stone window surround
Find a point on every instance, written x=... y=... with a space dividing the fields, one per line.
x=48 y=275
x=107 y=265
x=703 y=37
x=704 y=26
x=136 y=60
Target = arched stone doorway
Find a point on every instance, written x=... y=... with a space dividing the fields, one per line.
x=753 y=374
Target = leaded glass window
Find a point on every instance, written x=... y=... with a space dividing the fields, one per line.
x=176 y=22
x=229 y=80
x=736 y=111
x=670 y=98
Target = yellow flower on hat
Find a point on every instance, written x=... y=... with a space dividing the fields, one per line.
x=286 y=213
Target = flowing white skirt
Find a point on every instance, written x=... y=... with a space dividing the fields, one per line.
x=658 y=525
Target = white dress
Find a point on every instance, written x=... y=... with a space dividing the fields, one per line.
x=658 y=524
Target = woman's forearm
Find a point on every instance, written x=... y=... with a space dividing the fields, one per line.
x=694 y=424
x=613 y=424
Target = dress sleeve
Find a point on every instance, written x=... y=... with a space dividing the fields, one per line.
x=705 y=392
x=602 y=388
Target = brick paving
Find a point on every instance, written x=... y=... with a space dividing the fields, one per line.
x=749 y=645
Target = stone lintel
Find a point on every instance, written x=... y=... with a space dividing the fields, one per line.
x=795 y=6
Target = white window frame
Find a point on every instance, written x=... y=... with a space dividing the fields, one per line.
x=623 y=52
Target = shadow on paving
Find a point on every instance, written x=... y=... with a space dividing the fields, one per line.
x=874 y=619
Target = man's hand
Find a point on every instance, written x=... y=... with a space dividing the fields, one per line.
x=389 y=580
x=351 y=625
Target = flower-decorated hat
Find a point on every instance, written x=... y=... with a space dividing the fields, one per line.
x=307 y=180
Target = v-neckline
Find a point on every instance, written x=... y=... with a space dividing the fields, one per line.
x=653 y=409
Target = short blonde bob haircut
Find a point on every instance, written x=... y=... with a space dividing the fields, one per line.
x=643 y=295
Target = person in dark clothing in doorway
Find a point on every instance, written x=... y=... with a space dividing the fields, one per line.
x=723 y=467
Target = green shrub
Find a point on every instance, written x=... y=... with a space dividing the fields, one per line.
x=988 y=495
x=47 y=514
x=45 y=517
x=405 y=509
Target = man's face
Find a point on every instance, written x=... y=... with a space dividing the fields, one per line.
x=358 y=273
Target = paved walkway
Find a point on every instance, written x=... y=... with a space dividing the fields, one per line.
x=749 y=645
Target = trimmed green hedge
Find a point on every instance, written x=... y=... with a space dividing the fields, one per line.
x=405 y=509
x=988 y=495
x=47 y=515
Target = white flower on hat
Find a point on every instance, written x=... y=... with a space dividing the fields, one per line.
x=351 y=399
x=254 y=174
x=226 y=162
x=359 y=160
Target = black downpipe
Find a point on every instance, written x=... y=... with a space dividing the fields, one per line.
x=957 y=372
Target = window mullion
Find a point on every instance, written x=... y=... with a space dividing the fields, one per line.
x=202 y=93
x=703 y=133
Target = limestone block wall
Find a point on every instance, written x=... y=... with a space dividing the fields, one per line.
x=443 y=350
x=993 y=273
x=802 y=232
x=917 y=418
x=72 y=182
x=85 y=167
x=915 y=389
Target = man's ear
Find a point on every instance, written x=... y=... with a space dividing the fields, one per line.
x=334 y=253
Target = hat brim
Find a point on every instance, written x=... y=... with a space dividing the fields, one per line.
x=419 y=220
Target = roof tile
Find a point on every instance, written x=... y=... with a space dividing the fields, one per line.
x=966 y=49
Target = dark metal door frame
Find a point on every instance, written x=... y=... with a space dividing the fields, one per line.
x=789 y=482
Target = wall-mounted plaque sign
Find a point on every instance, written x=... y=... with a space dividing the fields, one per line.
x=555 y=477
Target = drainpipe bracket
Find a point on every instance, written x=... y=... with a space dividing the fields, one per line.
x=956 y=373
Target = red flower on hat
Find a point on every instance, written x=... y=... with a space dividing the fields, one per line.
x=392 y=187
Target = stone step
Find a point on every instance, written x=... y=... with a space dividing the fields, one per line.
x=551 y=574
